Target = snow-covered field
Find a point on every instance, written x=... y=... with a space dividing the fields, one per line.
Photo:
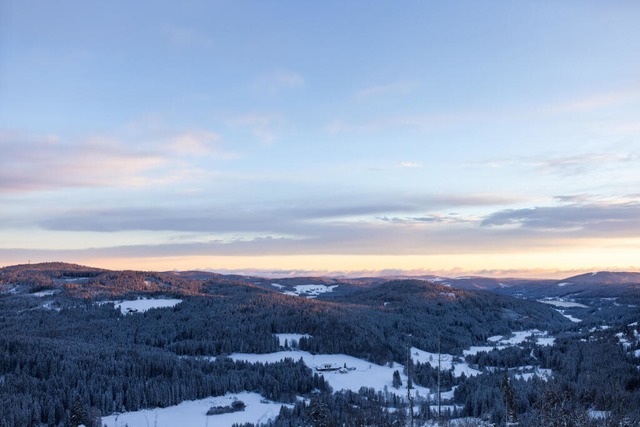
x=562 y=303
x=194 y=413
x=365 y=374
x=499 y=342
x=310 y=291
x=447 y=361
x=355 y=374
x=142 y=305
x=46 y=293
x=570 y=317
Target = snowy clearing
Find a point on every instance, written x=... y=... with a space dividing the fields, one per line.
x=570 y=317
x=447 y=361
x=310 y=291
x=365 y=374
x=499 y=342
x=194 y=413
x=277 y=285
x=290 y=337
x=142 y=305
x=562 y=303
x=46 y=293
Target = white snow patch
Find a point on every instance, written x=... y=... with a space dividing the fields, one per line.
x=49 y=306
x=365 y=374
x=598 y=415
x=46 y=293
x=562 y=303
x=142 y=305
x=570 y=317
x=447 y=362
x=519 y=336
x=473 y=350
x=194 y=413
x=277 y=285
x=530 y=373
x=75 y=279
x=545 y=340
x=499 y=342
x=310 y=291
x=563 y=284
x=290 y=337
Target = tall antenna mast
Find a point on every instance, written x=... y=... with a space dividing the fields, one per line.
x=409 y=384
x=439 y=359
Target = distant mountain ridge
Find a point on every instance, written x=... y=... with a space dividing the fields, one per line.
x=89 y=282
x=605 y=278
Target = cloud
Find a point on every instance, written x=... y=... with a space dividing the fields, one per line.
x=396 y=88
x=573 y=198
x=429 y=219
x=288 y=218
x=198 y=143
x=605 y=219
x=47 y=162
x=298 y=230
x=563 y=165
x=262 y=126
x=598 y=101
x=421 y=122
x=579 y=164
x=50 y=162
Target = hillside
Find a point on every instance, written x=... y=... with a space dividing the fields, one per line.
x=126 y=340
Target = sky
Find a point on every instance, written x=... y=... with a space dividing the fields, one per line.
x=496 y=138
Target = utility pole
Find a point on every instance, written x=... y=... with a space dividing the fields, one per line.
x=439 y=359
x=409 y=384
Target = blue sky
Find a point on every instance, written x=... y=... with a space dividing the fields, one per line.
x=498 y=138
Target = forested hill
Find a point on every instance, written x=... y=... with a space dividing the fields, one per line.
x=77 y=281
x=67 y=341
x=379 y=319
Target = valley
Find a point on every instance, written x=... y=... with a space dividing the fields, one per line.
x=132 y=348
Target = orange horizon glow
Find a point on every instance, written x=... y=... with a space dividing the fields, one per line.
x=533 y=266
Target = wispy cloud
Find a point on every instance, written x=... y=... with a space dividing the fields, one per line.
x=278 y=217
x=435 y=218
x=602 y=219
x=396 y=88
x=426 y=122
x=47 y=162
x=562 y=165
x=262 y=126
x=597 y=101
x=50 y=162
